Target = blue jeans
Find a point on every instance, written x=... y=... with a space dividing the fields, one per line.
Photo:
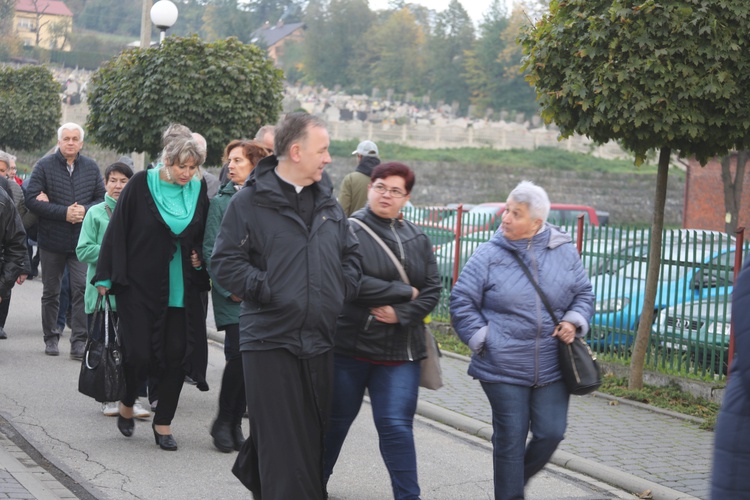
x=515 y=409
x=393 y=393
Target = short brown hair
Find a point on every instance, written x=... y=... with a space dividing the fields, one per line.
x=251 y=150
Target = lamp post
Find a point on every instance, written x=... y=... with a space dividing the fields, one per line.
x=163 y=15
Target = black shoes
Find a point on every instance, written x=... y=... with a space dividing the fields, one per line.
x=165 y=441
x=126 y=425
x=238 y=437
x=223 y=434
x=3 y=335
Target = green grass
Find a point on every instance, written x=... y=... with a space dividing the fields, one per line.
x=544 y=158
x=670 y=397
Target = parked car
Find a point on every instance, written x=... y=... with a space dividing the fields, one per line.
x=698 y=329
x=488 y=216
x=694 y=267
x=446 y=255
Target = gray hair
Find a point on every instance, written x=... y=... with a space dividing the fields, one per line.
x=262 y=131
x=293 y=129
x=6 y=158
x=179 y=149
x=69 y=126
x=534 y=197
x=174 y=130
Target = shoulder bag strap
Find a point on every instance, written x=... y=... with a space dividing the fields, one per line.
x=526 y=271
x=387 y=250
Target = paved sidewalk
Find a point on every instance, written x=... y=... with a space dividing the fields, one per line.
x=21 y=477
x=632 y=446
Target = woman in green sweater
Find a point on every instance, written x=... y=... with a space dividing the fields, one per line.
x=226 y=430
x=92 y=232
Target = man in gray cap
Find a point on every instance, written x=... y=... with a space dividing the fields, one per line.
x=353 y=192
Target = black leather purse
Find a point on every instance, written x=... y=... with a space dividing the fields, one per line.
x=102 y=376
x=580 y=370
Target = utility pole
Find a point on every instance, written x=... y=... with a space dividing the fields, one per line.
x=146 y=23
x=139 y=159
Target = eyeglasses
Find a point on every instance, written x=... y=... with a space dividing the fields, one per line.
x=381 y=189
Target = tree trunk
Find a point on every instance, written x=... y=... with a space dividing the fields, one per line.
x=733 y=188
x=640 y=346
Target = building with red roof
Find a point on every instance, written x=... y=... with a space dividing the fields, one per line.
x=44 y=23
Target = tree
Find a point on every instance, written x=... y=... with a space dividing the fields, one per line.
x=391 y=55
x=452 y=37
x=672 y=76
x=333 y=32
x=224 y=90
x=733 y=186
x=483 y=71
x=29 y=107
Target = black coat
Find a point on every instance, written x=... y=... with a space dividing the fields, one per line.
x=85 y=186
x=359 y=334
x=14 y=257
x=135 y=254
x=294 y=282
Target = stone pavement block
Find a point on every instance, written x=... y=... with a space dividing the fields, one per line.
x=647 y=444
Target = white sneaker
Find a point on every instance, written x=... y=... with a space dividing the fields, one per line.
x=110 y=409
x=139 y=411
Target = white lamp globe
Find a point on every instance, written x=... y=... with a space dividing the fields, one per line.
x=164 y=14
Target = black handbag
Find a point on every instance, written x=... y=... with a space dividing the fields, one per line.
x=580 y=370
x=102 y=376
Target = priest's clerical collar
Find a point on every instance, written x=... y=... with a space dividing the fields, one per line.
x=297 y=188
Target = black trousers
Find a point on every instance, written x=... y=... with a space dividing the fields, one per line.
x=288 y=402
x=232 y=395
x=171 y=377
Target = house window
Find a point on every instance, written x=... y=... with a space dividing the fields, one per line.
x=26 y=24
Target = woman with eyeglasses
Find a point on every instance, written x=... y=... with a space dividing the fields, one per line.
x=380 y=335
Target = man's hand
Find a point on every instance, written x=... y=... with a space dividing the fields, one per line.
x=22 y=278
x=75 y=213
x=102 y=289
x=42 y=197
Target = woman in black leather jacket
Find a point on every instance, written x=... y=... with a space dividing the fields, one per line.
x=380 y=335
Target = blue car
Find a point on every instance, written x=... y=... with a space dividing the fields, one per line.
x=695 y=265
x=697 y=331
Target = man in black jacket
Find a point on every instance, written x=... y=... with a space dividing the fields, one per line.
x=285 y=247
x=63 y=186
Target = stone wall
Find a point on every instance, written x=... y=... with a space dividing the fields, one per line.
x=629 y=198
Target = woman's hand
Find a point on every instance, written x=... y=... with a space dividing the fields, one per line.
x=384 y=314
x=102 y=289
x=194 y=260
x=565 y=331
x=234 y=298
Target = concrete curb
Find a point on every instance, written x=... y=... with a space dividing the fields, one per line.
x=637 y=404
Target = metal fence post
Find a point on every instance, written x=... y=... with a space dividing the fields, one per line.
x=740 y=232
x=457 y=241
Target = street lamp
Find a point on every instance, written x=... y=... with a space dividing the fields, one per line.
x=163 y=15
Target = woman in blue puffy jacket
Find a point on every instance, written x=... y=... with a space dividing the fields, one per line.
x=498 y=313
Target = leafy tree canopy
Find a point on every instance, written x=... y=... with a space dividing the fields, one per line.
x=224 y=90
x=651 y=74
x=29 y=107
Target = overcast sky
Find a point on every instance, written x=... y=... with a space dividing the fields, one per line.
x=475 y=8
